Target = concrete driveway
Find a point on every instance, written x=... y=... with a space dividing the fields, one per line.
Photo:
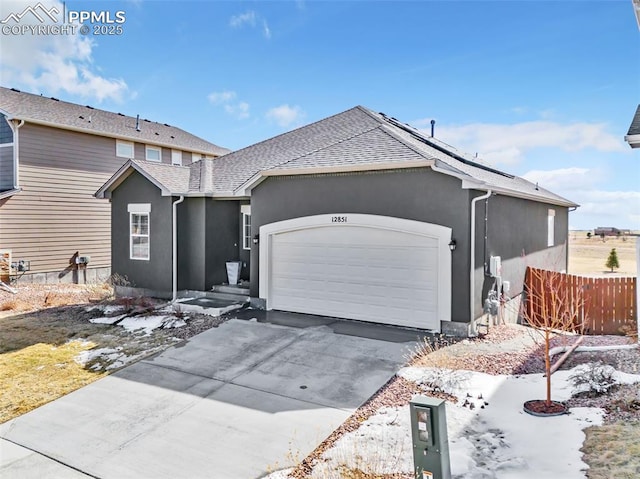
x=237 y=401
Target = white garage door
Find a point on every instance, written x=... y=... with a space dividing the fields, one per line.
x=369 y=268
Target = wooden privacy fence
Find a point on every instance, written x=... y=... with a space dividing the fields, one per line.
x=608 y=304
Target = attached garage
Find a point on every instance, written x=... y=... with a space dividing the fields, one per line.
x=366 y=267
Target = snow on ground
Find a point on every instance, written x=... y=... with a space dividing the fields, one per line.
x=498 y=440
x=113 y=358
x=142 y=324
x=106 y=308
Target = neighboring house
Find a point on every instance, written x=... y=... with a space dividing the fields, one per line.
x=53 y=157
x=356 y=216
x=633 y=135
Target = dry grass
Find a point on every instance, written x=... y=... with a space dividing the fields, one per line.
x=588 y=256
x=37 y=374
x=613 y=451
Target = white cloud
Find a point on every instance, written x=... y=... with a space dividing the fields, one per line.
x=285 y=115
x=266 y=30
x=221 y=97
x=247 y=18
x=226 y=99
x=53 y=63
x=509 y=143
x=239 y=110
x=598 y=207
x=252 y=19
x=567 y=179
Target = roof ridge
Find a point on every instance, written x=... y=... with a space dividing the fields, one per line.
x=311 y=152
x=357 y=107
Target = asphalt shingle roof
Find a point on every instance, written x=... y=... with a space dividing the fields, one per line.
x=634 y=128
x=357 y=137
x=174 y=179
x=41 y=109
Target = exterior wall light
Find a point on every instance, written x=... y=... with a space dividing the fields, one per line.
x=256 y=239
x=452 y=245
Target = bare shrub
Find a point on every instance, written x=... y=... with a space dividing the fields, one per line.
x=593 y=379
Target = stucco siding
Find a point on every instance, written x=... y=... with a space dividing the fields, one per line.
x=191 y=244
x=55 y=215
x=517 y=232
x=222 y=243
x=156 y=273
x=416 y=194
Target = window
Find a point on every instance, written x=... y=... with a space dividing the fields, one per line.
x=7 y=164
x=551 y=215
x=246 y=226
x=124 y=149
x=153 y=153
x=176 y=157
x=139 y=231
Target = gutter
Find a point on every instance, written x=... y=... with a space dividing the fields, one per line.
x=174 y=227
x=472 y=268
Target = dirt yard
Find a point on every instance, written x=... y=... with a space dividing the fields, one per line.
x=588 y=256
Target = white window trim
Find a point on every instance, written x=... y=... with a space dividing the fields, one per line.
x=148 y=148
x=176 y=154
x=125 y=143
x=131 y=236
x=246 y=238
x=551 y=215
x=139 y=209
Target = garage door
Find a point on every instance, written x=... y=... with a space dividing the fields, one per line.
x=364 y=267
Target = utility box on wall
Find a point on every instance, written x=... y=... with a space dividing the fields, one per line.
x=430 y=440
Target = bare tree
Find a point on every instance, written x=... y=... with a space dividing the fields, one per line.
x=553 y=303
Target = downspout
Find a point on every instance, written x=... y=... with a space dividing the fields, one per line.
x=174 y=227
x=472 y=269
x=16 y=152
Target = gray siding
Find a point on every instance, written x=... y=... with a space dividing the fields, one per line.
x=516 y=228
x=191 y=244
x=222 y=239
x=417 y=194
x=6 y=168
x=155 y=274
x=6 y=155
x=56 y=215
x=517 y=232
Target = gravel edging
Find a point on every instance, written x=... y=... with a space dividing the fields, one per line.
x=505 y=349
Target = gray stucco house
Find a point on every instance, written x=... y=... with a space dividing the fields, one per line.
x=356 y=216
x=53 y=156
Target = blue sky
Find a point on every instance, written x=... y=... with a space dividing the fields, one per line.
x=545 y=90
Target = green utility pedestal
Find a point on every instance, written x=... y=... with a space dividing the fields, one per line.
x=430 y=441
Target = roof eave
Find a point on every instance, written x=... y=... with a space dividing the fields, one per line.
x=479 y=185
x=633 y=140
x=122 y=174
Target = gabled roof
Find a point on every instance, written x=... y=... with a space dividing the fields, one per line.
x=355 y=140
x=170 y=179
x=61 y=114
x=633 y=135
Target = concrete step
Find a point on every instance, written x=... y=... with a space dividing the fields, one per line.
x=240 y=290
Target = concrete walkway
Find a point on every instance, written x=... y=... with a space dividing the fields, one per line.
x=237 y=401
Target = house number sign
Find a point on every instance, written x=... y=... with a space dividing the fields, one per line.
x=338 y=219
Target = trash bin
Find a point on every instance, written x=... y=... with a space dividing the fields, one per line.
x=233 y=271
